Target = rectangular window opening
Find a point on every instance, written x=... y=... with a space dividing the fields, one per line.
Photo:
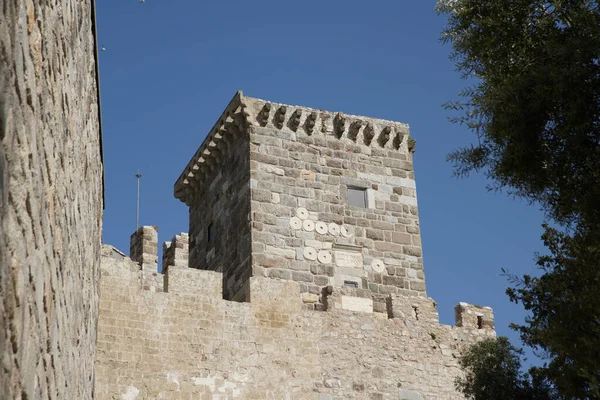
x=357 y=197
x=479 y=322
x=210 y=232
x=351 y=284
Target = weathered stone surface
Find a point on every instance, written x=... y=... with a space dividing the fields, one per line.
x=308 y=168
x=279 y=194
x=219 y=220
x=50 y=199
x=351 y=303
x=190 y=343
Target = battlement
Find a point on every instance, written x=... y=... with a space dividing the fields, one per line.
x=120 y=271
x=188 y=340
x=128 y=274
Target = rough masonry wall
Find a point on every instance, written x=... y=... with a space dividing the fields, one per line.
x=304 y=229
x=190 y=343
x=223 y=202
x=50 y=199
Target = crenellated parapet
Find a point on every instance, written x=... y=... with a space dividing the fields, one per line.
x=474 y=316
x=188 y=341
x=365 y=131
x=176 y=252
x=243 y=112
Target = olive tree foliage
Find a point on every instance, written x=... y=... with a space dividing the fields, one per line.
x=492 y=371
x=533 y=104
x=564 y=305
x=534 y=99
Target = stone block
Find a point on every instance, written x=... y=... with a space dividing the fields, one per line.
x=409 y=395
x=194 y=281
x=357 y=304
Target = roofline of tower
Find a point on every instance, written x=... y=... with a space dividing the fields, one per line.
x=243 y=111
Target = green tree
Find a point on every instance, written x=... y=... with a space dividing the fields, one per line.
x=535 y=101
x=492 y=371
x=534 y=106
x=564 y=306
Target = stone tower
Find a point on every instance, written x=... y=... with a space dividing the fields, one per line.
x=318 y=197
x=309 y=219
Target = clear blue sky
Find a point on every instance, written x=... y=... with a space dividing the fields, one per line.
x=171 y=67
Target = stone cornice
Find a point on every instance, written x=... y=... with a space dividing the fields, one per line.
x=242 y=112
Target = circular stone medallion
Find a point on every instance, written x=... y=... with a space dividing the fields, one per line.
x=302 y=213
x=308 y=225
x=346 y=231
x=377 y=265
x=310 y=253
x=334 y=229
x=324 y=257
x=295 y=223
x=321 y=227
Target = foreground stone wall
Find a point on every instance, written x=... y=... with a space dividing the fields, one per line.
x=190 y=343
x=50 y=199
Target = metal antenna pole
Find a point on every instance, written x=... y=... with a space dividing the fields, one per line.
x=137 y=207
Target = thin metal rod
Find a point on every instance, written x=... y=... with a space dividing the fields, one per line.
x=137 y=207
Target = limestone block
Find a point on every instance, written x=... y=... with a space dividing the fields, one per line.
x=310 y=298
x=409 y=395
x=194 y=281
x=357 y=304
x=274 y=295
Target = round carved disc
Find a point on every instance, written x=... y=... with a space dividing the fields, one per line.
x=324 y=257
x=321 y=227
x=377 y=265
x=334 y=229
x=308 y=225
x=346 y=231
x=310 y=253
x=295 y=223
x=302 y=213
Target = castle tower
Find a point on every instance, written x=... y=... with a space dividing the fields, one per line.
x=323 y=198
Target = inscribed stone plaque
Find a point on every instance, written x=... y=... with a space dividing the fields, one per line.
x=351 y=259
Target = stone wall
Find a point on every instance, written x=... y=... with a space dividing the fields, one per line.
x=143 y=249
x=222 y=206
x=50 y=199
x=190 y=343
x=305 y=229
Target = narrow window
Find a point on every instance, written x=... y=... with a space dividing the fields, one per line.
x=357 y=197
x=479 y=322
x=351 y=284
x=415 y=312
x=210 y=232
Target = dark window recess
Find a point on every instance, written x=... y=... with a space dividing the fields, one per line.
x=210 y=232
x=357 y=197
x=351 y=284
x=479 y=322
